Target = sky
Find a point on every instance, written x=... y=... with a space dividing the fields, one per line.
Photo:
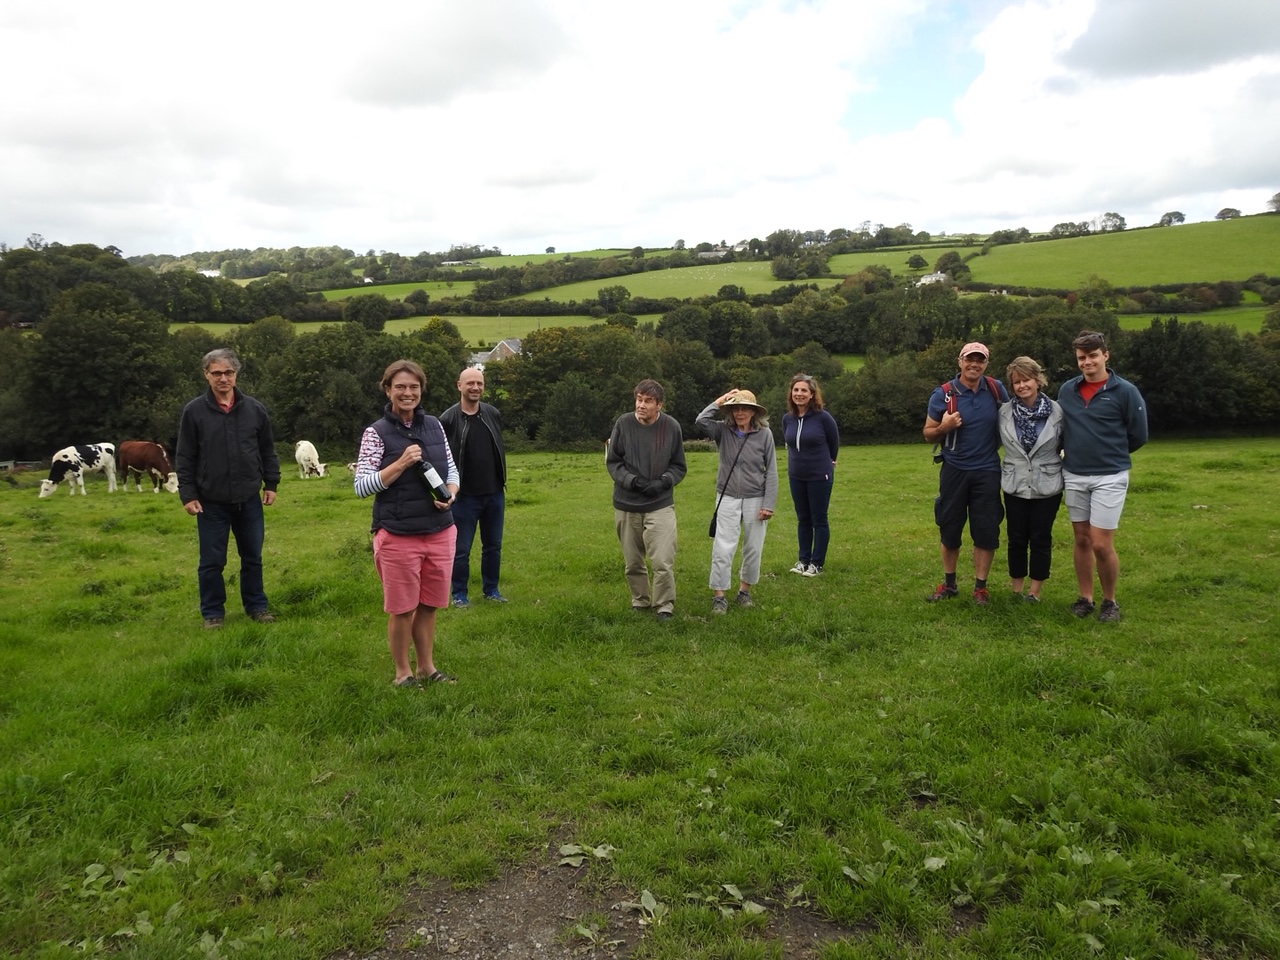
x=415 y=125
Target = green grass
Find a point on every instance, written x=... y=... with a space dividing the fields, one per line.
x=438 y=289
x=519 y=260
x=998 y=782
x=1246 y=319
x=1188 y=253
x=683 y=282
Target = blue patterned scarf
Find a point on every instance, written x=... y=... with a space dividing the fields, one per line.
x=1029 y=421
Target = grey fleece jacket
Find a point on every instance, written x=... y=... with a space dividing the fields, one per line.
x=756 y=474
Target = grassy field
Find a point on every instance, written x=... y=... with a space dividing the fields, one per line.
x=1246 y=319
x=753 y=277
x=519 y=260
x=922 y=780
x=1188 y=253
x=438 y=289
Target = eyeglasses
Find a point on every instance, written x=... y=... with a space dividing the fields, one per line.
x=220 y=374
x=976 y=358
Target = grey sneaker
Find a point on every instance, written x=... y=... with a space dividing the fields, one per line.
x=800 y=567
x=744 y=599
x=1082 y=608
x=719 y=605
x=1110 y=612
x=813 y=570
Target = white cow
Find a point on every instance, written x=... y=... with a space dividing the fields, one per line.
x=309 y=465
x=72 y=463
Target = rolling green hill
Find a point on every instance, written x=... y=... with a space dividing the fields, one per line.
x=1188 y=253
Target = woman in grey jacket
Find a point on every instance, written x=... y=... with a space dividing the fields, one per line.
x=1031 y=474
x=747 y=484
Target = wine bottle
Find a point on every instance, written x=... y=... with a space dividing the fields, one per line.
x=432 y=479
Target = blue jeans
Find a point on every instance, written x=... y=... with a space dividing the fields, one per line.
x=486 y=511
x=215 y=523
x=812 y=498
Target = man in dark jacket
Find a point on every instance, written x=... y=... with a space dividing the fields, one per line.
x=227 y=472
x=474 y=432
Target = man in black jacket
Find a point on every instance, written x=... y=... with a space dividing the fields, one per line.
x=227 y=472
x=474 y=432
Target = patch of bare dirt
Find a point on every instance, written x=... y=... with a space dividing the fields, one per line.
x=531 y=914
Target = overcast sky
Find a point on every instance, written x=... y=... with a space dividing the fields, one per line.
x=411 y=125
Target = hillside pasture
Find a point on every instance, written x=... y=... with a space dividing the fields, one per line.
x=1186 y=253
x=681 y=283
x=916 y=780
x=438 y=289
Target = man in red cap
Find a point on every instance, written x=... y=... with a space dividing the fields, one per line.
x=963 y=417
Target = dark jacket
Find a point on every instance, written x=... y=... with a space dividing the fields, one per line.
x=457 y=429
x=1097 y=439
x=406 y=507
x=225 y=456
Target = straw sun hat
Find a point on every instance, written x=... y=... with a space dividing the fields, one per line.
x=743 y=398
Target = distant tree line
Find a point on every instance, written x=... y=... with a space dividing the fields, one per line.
x=103 y=366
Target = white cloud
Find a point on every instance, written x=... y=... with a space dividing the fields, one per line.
x=414 y=124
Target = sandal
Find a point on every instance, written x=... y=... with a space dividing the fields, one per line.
x=439 y=677
x=408 y=682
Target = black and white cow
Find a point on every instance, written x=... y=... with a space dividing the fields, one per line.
x=72 y=463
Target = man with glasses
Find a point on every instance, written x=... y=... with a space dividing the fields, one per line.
x=227 y=472
x=963 y=417
x=1104 y=419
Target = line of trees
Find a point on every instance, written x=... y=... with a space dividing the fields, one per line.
x=106 y=368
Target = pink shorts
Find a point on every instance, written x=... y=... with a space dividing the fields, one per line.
x=416 y=569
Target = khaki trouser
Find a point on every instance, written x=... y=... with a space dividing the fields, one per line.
x=652 y=537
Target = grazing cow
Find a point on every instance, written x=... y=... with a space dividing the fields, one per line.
x=72 y=463
x=351 y=468
x=139 y=458
x=309 y=465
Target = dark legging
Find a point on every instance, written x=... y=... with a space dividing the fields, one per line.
x=812 y=497
x=1030 y=527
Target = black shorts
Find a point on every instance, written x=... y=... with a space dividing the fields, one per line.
x=973 y=495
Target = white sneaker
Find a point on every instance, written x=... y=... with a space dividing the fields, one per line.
x=800 y=567
x=812 y=570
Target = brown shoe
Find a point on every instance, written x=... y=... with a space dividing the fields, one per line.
x=213 y=623
x=262 y=616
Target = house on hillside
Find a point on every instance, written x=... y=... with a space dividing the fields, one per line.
x=502 y=350
x=929 y=278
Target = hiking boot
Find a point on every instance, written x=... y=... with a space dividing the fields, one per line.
x=1082 y=608
x=800 y=567
x=943 y=592
x=813 y=570
x=662 y=616
x=262 y=616
x=1110 y=612
x=744 y=599
x=719 y=605
x=213 y=623
x=982 y=597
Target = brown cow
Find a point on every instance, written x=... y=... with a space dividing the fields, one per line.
x=142 y=457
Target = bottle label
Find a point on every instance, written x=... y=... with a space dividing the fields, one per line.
x=433 y=477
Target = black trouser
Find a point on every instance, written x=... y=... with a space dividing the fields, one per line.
x=1030 y=526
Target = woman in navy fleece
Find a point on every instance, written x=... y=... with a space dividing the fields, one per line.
x=813 y=442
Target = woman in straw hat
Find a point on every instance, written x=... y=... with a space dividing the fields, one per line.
x=747 y=488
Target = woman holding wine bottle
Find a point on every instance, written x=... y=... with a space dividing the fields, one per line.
x=405 y=464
